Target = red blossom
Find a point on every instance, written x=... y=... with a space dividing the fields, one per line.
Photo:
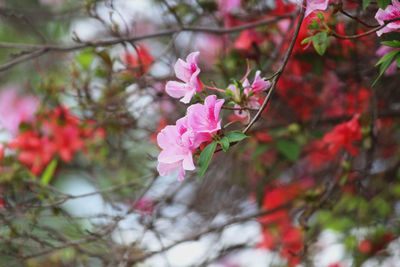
x=55 y=132
x=278 y=226
x=365 y=247
x=142 y=59
x=343 y=136
x=247 y=39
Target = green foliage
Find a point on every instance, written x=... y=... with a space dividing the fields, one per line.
x=290 y=149
x=224 y=142
x=306 y=40
x=385 y=62
x=235 y=136
x=392 y=43
x=49 y=172
x=365 y=4
x=383 y=3
x=320 y=42
x=205 y=158
x=85 y=58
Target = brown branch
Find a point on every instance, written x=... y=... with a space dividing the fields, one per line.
x=333 y=33
x=357 y=19
x=26 y=57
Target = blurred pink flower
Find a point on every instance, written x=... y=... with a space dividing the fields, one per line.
x=315 y=5
x=187 y=72
x=177 y=144
x=145 y=205
x=204 y=119
x=391 y=12
x=1 y=152
x=15 y=109
x=228 y=6
x=211 y=47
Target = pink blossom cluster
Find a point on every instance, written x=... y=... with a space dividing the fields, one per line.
x=251 y=93
x=201 y=124
x=391 y=12
x=178 y=142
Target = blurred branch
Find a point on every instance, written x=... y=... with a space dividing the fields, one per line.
x=40 y=49
x=211 y=229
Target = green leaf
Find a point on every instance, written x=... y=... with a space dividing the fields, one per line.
x=235 y=136
x=85 y=58
x=320 y=16
x=306 y=40
x=224 y=142
x=387 y=57
x=320 y=42
x=313 y=25
x=49 y=172
x=205 y=158
x=365 y=4
x=383 y=3
x=289 y=149
x=398 y=60
x=393 y=43
x=385 y=62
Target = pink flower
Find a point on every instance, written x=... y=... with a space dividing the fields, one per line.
x=187 y=72
x=204 y=119
x=179 y=141
x=177 y=144
x=15 y=109
x=391 y=12
x=315 y=5
x=259 y=84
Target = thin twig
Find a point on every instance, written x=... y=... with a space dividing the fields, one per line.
x=280 y=70
x=364 y=33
